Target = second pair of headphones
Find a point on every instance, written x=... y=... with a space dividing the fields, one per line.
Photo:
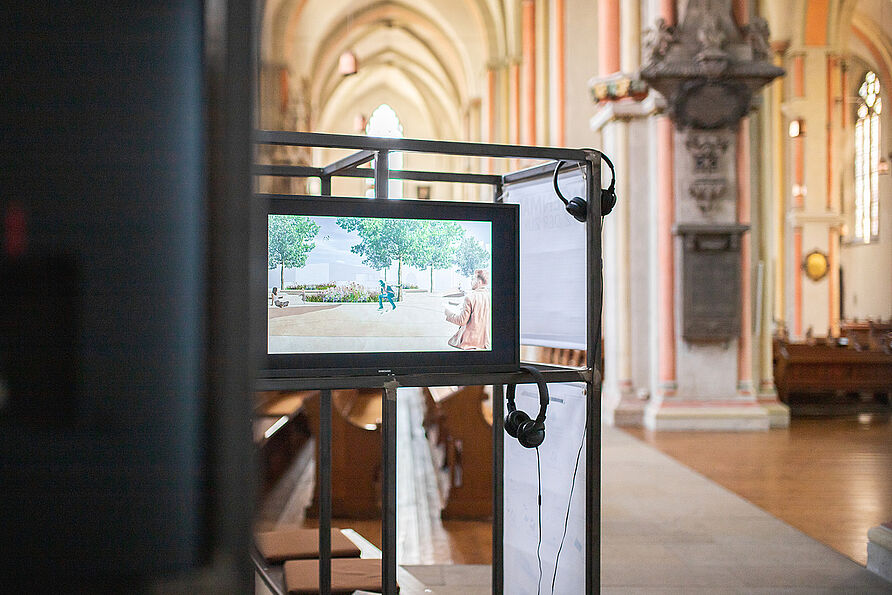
x=577 y=206
x=529 y=432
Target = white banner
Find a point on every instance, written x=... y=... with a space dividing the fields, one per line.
x=552 y=263
x=564 y=431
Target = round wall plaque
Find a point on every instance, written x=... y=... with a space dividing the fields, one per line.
x=815 y=265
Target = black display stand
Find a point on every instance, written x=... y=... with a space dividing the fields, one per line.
x=377 y=150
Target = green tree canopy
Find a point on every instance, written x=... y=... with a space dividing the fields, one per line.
x=435 y=243
x=470 y=255
x=374 y=246
x=383 y=241
x=290 y=242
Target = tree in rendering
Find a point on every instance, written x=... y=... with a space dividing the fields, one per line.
x=290 y=242
x=435 y=243
x=470 y=255
x=382 y=242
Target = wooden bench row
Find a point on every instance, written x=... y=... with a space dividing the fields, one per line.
x=458 y=424
x=356 y=445
x=806 y=372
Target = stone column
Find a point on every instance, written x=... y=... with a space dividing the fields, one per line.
x=514 y=98
x=608 y=36
x=708 y=68
x=771 y=220
x=814 y=216
x=284 y=105
x=528 y=37
x=543 y=72
x=622 y=406
x=559 y=88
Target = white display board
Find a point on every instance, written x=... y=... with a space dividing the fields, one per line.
x=552 y=314
x=564 y=432
x=552 y=263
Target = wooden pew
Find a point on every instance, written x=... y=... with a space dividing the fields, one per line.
x=280 y=433
x=823 y=369
x=553 y=355
x=459 y=426
x=356 y=453
x=867 y=334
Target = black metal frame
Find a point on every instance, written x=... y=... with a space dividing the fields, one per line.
x=377 y=150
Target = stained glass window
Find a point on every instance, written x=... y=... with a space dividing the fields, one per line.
x=867 y=159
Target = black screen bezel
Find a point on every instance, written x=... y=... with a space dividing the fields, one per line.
x=505 y=353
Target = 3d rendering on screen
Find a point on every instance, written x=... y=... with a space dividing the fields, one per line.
x=363 y=284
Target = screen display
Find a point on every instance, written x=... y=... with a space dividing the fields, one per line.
x=372 y=285
x=359 y=286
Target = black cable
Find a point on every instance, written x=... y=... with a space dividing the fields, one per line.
x=567 y=518
x=539 y=545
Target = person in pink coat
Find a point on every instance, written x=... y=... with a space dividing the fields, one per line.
x=474 y=316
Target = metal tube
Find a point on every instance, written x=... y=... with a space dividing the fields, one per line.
x=546 y=169
x=426 y=176
x=382 y=175
x=498 y=465
x=349 y=162
x=298 y=171
x=345 y=141
x=325 y=185
x=324 y=447
x=498 y=489
x=551 y=374
x=388 y=488
x=302 y=171
x=593 y=386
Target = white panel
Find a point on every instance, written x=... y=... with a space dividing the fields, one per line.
x=552 y=263
x=564 y=431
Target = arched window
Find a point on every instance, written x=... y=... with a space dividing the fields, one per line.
x=384 y=122
x=867 y=159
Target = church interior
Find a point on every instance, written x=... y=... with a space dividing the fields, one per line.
x=734 y=396
x=790 y=409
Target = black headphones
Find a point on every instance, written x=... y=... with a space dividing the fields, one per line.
x=576 y=206
x=530 y=433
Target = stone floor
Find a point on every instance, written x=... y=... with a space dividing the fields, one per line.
x=667 y=529
x=829 y=477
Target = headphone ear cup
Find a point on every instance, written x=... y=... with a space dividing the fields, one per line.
x=531 y=434
x=578 y=208
x=514 y=421
x=608 y=201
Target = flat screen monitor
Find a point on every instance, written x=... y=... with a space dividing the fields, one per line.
x=375 y=286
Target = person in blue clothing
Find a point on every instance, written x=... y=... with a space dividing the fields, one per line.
x=386 y=292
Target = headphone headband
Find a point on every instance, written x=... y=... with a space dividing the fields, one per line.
x=612 y=186
x=543 y=392
x=577 y=207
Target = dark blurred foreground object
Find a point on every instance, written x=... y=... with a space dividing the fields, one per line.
x=117 y=363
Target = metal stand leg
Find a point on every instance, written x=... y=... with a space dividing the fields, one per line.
x=498 y=489
x=324 y=447
x=388 y=488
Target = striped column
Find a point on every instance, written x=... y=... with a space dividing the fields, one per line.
x=745 y=341
x=666 y=370
x=528 y=18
